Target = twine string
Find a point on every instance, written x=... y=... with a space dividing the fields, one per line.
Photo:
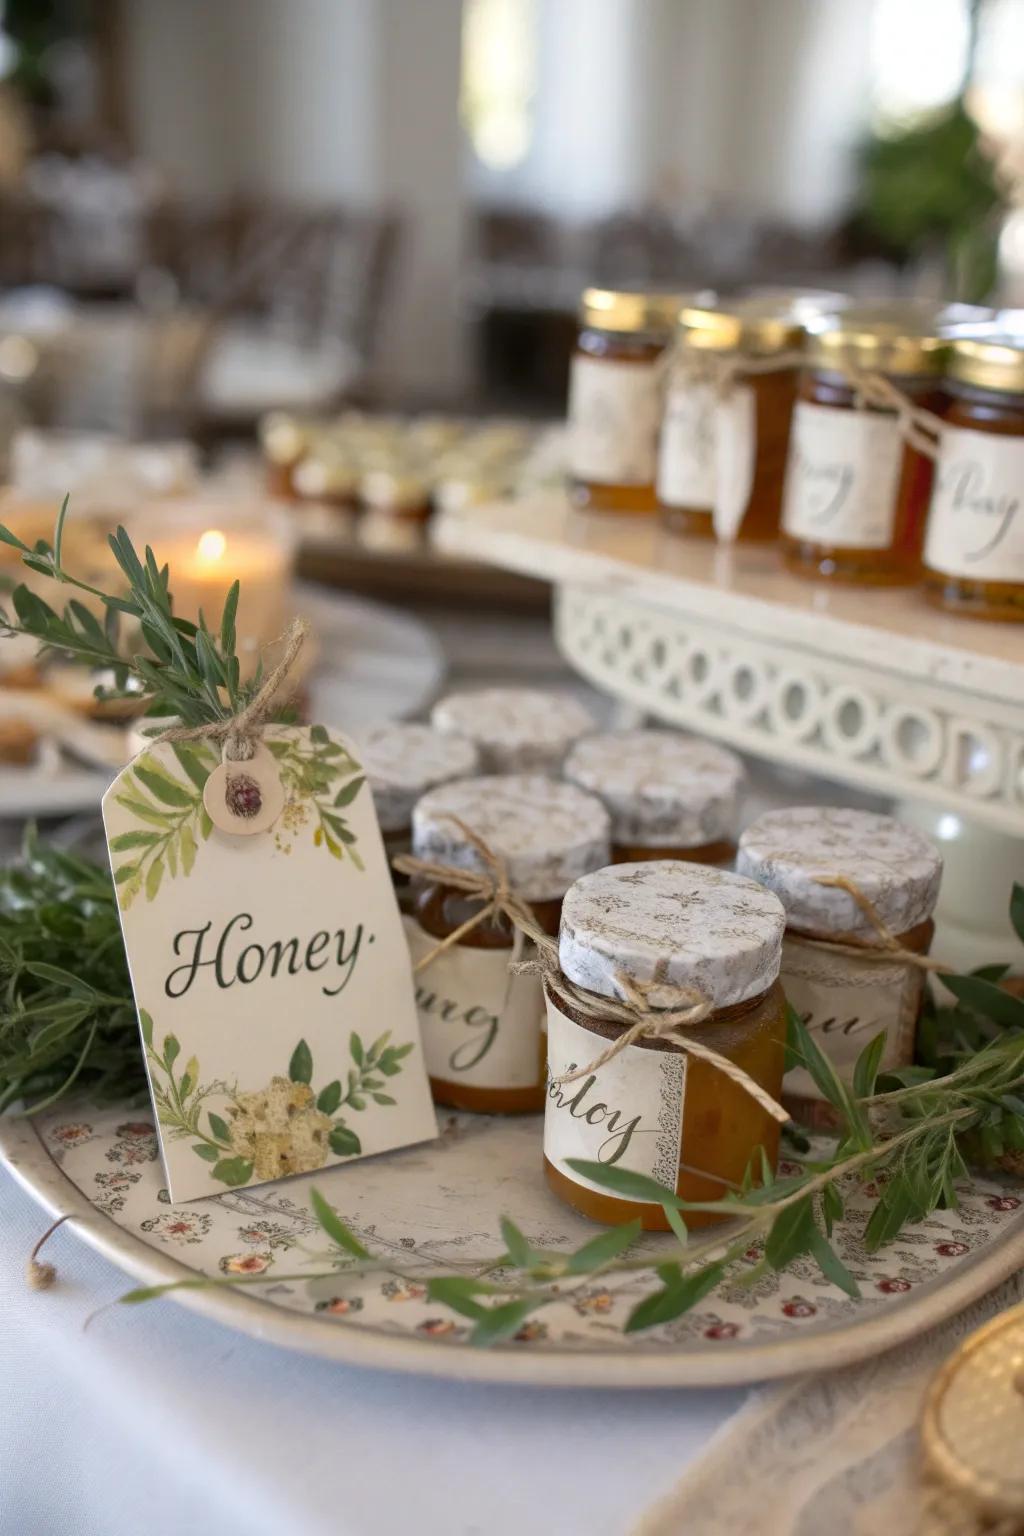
x=920 y=428
x=241 y=734
x=886 y=950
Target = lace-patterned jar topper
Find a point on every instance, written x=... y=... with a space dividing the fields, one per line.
x=843 y=998
x=670 y=796
x=677 y=931
x=401 y=762
x=516 y=730
x=482 y=1026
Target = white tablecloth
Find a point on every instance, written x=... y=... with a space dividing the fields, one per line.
x=155 y=1422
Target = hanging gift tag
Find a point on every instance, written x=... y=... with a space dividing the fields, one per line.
x=268 y=960
x=735 y=445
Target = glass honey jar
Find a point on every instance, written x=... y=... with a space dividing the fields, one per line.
x=482 y=1024
x=399 y=493
x=402 y=761
x=974 y=548
x=615 y=398
x=844 y=999
x=679 y=930
x=726 y=431
x=856 y=494
x=670 y=796
x=326 y=474
x=516 y=730
x=283 y=439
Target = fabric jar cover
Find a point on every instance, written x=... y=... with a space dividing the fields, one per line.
x=546 y=833
x=662 y=788
x=675 y=924
x=402 y=761
x=893 y=865
x=517 y=730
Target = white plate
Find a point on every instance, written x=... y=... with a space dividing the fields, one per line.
x=373 y=663
x=434 y=1209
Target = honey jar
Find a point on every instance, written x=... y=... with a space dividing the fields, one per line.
x=844 y=999
x=482 y=1024
x=402 y=761
x=325 y=474
x=396 y=492
x=974 y=550
x=669 y=796
x=654 y=1109
x=615 y=398
x=856 y=493
x=516 y=730
x=726 y=429
x=283 y=439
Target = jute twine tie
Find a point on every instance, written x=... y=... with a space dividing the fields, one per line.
x=721 y=371
x=632 y=1010
x=886 y=950
x=241 y=734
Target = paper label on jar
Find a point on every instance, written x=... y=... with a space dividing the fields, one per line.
x=976 y=521
x=686 y=451
x=614 y=416
x=735 y=452
x=628 y=1114
x=842 y=477
x=845 y=1002
x=480 y=1024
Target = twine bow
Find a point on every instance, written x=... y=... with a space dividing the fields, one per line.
x=491 y=887
x=887 y=949
x=241 y=733
x=721 y=371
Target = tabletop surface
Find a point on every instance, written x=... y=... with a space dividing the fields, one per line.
x=151 y=1418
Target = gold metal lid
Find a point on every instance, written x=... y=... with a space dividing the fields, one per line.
x=903 y=340
x=757 y=325
x=611 y=309
x=995 y=362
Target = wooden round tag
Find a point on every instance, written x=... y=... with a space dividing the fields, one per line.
x=245 y=797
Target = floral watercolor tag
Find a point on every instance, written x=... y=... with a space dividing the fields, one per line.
x=270 y=972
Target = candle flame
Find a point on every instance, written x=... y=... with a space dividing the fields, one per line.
x=211 y=546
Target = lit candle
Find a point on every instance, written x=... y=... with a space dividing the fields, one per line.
x=205 y=563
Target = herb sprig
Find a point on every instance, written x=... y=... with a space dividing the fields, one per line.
x=184 y=669
x=915 y=1132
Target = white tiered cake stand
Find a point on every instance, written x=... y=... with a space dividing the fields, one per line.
x=868 y=687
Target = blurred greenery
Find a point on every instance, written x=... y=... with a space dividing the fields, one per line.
x=935 y=188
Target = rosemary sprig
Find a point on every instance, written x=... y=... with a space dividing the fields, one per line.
x=67 y=1018
x=184 y=669
x=916 y=1132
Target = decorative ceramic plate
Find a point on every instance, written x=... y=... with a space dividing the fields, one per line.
x=434 y=1209
x=373 y=663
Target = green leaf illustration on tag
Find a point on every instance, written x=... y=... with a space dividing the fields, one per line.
x=287 y=1127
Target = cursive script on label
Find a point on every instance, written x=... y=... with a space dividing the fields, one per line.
x=230 y=959
x=577 y=1100
x=825 y=485
x=964 y=485
x=475 y=1018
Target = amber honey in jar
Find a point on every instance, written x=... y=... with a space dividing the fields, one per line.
x=482 y=1024
x=402 y=761
x=397 y=492
x=856 y=494
x=615 y=398
x=283 y=439
x=844 y=999
x=516 y=730
x=677 y=929
x=974 y=549
x=723 y=446
x=670 y=796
